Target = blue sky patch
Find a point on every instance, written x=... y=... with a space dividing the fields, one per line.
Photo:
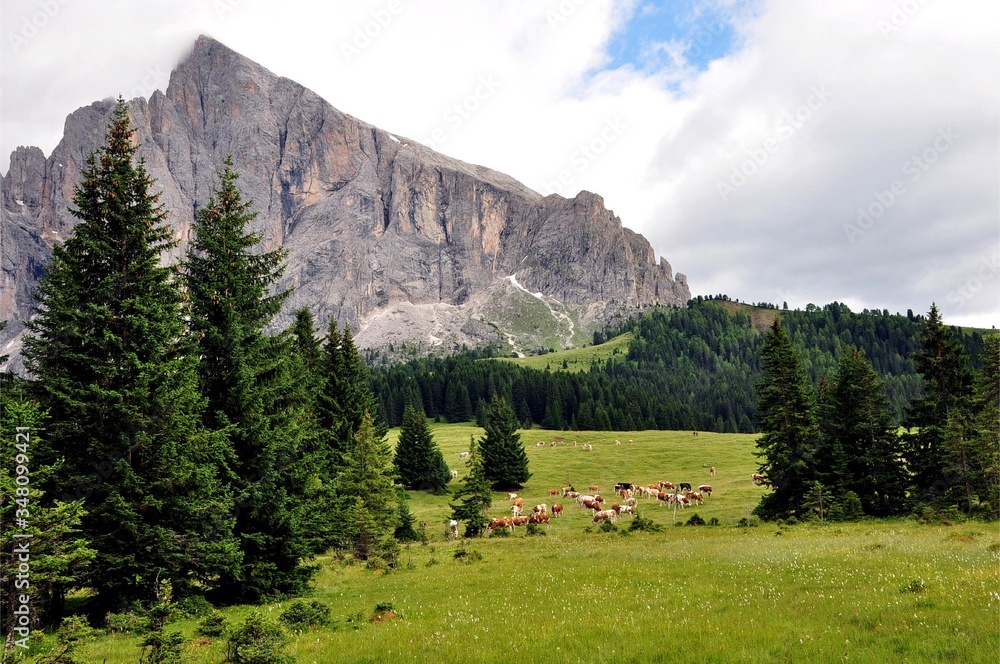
x=673 y=34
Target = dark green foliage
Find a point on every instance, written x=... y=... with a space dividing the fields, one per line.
x=162 y=648
x=505 y=463
x=302 y=615
x=59 y=554
x=943 y=365
x=861 y=451
x=365 y=487
x=787 y=419
x=246 y=377
x=535 y=530
x=418 y=460
x=691 y=368
x=259 y=640
x=117 y=375
x=644 y=524
x=405 y=532
x=213 y=625
x=475 y=496
x=695 y=520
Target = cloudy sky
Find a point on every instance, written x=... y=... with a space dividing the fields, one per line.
x=798 y=151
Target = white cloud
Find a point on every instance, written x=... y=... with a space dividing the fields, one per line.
x=681 y=131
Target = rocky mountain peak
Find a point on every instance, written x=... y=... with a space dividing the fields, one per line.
x=371 y=221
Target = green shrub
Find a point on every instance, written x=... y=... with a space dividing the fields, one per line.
x=534 y=529
x=500 y=532
x=126 y=623
x=258 y=640
x=714 y=521
x=194 y=606
x=214 y=625
x=915 y=586
x=160 y=648
x=695 y=520
x=607 y=526
x=644 y=524
x=467 y=555
x=752 y=522
x=301 y=615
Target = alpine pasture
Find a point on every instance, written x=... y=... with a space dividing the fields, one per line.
x=873 y=591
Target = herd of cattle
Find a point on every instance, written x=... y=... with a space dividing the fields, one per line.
x=665 y=493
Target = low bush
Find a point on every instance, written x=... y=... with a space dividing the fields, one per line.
x=213 y=625
x=302 y=615
x=259 y=640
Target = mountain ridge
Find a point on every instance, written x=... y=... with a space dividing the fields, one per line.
x=371 y=220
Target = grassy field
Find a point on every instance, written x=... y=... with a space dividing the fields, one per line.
x=893 y=591
x=577 y=359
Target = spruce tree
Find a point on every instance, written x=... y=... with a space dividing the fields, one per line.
x=943 y=366
x=504 y=460
x=59 y=555
x=786 y=417
x=117 y=374
x=419 y=462
x=475 y=495
x=366 y=490
x=246 y=378
x=857 y=424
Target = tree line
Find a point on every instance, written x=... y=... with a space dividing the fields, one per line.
x=688 y=368
x=833 y=450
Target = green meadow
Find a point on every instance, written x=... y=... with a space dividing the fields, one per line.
x=886 y=591
x=576 y=359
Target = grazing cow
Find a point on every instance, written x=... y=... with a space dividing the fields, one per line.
x=518 y=521
x=463 y=455
x=515 y=510
x=631 y=502
x=581 y=499
x=453 y=526
x=602 y=515
x=591 y=505
x=594 y=488
x=684 y=486
x=500 y=522
x=630 y=442
x=757 y=478
x=667 y=486
x=598 y=498
x=695 y=497
x=566 y=489
x=454 y=474
x=572 y=494
x=557 y=509
x=540 y=443
x=649 y=492
x=626 y=509
x=706 y=489
x=511 y=497
x=664 y=497
x=694 y=433
x=552 y=444
x=618 y=442
x=539 y=518
x=656 y=486
x=625 y=494
x=683 y=501
x=616 y=508
x=554 y=492
x=540 y=509
x=712 y=471
x=519 y=502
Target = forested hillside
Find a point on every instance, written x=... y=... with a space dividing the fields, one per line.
x=689 y=368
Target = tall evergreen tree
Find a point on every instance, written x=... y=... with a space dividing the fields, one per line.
x=786 y=417
x=475 y=495
x=504 y=460
x=117 y=374
x=366 y=489
x=971 y=441
x=246 y=377
x=943 y=366
x=857 y=424
x=419 y=462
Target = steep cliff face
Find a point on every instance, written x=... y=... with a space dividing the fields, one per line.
x=371 y=221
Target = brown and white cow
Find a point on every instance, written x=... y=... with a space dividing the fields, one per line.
x=757 y=478
x=500 y=522
x=705 y=489
x=540 y=509
x=602 y=515
x=519 y=521
x=557 y=509
x=667 y=486
x=511 y=497
x=593 y=488
x=695 y=497
x=539 y=518
x=572 y=494
x=519 y=502
x=553 y=492
x=515 y=510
